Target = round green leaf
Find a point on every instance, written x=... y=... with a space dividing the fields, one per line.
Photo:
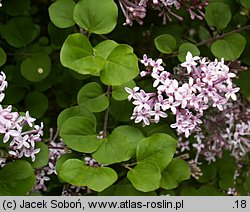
x=165 y=43
x=78 y=133
x=61 y=13
x=119 y=93
x=158 y=148
x=77 y=54
x=15 y=8
x=245 y=3
x=187 y=47
x=42 y=157
x=96 y=16
x=92 y=97
x=230 y=47
x=145 y=176
x=121 y=66
x=37 y=104
x=72 y=112
x=36 y=67
x=174 y=173
x=2 y=57
x=113 y=149
x=77 y=173
x=16 y=178
x=19 y=31
x=215 y=17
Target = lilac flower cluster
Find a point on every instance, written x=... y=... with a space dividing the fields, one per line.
x=205 y=84
x=227 y=130
x=19 y=130
x=136 y=9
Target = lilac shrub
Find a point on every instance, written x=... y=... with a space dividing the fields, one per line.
x=200 y=85
x=17 y=129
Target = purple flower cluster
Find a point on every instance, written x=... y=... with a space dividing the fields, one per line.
x=205 y=84
x=227 y=130
x=136 y=9
x=19 y=130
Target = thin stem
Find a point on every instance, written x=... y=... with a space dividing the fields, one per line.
x=212 y=39
x=128 y=165
x=56 y=135
x=106 y=115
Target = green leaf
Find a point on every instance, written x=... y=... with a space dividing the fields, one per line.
x=77 y=54
x=119 y=93
x=158 y=148
x=133 y=136
x=72 y=112
x=113 y=149
x=245 y=3
x=230 y=47
x=214 y=16
x=174 y=173
x=96 y=16
x=79 y=134
x=61 y=13
x=121 y=66
x=145 y=176
x=16 y=178
x=165 y=43
x=15 y=8
x=2 y=57
x=92 y=97
x=187 y=47
x=36 y=67
x=37 y=104
x=77 y=173
x=19 y=31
